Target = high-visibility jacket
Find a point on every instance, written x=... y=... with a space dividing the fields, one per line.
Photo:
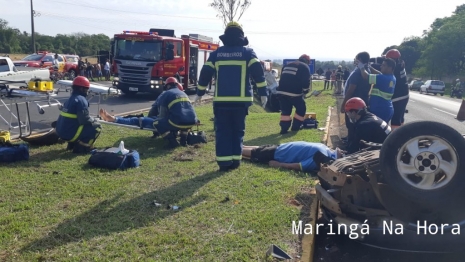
x=175 y=105
x=295 y=79
x=73 y=117
x=232 y=67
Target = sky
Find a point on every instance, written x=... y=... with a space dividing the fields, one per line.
x=276 y=29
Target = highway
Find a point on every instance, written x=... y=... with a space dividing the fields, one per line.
x=435 y=108
x=115 y=105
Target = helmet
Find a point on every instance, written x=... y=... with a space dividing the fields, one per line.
x=81 y=81
x=458 y=80
x=172 y=81
x=304 y=58
x=355 y=103
x=234 y=24
x=393 y=53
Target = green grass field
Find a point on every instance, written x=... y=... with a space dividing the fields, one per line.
x=56 y=208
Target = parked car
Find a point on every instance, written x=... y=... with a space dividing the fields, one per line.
x=433 y=86
x=72 y=65
x=415 y=85
x=41 y=59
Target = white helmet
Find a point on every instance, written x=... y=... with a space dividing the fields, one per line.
x=458 y=80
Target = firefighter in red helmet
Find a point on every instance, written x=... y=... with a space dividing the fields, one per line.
x=367 y=126
x=74 y=124
x=400 y=97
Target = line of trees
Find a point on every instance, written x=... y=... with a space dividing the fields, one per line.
x=13 y=41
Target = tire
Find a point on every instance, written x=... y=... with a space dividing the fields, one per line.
x=72 y=74
x=442 y=94
x=421 y=92
x=406 y=161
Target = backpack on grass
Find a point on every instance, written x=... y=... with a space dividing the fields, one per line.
x=109 y=158
x=10 y=153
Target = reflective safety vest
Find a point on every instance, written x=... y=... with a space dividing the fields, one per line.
x=384 y=86
x=68 y=127
x=232 y=67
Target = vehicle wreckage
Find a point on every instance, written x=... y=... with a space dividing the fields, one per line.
x=406 y=194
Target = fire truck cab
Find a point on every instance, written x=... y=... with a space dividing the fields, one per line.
x=142 y=61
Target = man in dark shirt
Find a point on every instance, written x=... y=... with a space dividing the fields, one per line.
x=327 y=79
x=366 y=126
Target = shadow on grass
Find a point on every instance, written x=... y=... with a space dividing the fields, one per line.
x=106 y=219
x=270 y=139
x=52 y=155
x=306 y=199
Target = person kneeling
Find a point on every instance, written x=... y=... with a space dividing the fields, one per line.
x=297 y=155
x=175 y=113
x=74 y=124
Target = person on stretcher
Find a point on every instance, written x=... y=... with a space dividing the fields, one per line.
x=175 y=113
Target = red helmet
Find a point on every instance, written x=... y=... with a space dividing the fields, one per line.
x=304 y=57
x=174 y=81
x=355 y=103
x=393 y=53
x=81 y=81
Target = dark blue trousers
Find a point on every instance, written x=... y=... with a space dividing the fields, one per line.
x=287 y=103
x=89 y=134
x=229 y=131
x=162 y=125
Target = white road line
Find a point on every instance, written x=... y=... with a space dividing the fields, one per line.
x=412 y=101
x=444 y=111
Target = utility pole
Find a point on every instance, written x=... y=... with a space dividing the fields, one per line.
x=32 y=29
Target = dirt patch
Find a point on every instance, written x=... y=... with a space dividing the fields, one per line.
x=186 y=155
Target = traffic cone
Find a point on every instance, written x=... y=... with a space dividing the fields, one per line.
x=461 y=113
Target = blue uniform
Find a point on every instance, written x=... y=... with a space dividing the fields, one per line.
x=74 y=123
x=175 y=112
x=293 y=85
x=302 y=152
x=232 y=66
x=381 y=95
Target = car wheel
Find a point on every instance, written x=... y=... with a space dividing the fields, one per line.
x=425 y=162
x=421 y=91
x=72 y=74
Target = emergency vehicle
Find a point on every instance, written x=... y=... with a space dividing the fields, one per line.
x=142 y=61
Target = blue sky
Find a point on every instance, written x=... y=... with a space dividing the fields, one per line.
x=277 y=29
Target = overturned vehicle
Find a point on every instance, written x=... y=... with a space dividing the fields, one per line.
x=406 y=194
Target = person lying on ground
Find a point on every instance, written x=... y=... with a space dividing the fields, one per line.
x=297 y=155
x=175 y=113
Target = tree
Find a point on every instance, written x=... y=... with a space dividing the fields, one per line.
x=229 y=9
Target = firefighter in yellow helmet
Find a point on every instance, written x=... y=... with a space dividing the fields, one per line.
x=233 y=65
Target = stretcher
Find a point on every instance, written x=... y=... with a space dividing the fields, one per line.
x=95 y=90
x=16 y=96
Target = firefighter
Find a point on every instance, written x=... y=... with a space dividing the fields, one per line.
x=233 y=64
x=400 y=97
x=367 y=126
x=294 y=83
x=339 y=79
x=74 y=124
x=175 y=113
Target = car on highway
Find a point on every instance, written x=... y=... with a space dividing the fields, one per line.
x=415 y=85
x=433 y=87
x=405 y=194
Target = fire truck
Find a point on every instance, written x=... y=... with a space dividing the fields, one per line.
x=142 y=61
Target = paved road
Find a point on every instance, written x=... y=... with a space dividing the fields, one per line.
x=115 y=105
x=434 y=108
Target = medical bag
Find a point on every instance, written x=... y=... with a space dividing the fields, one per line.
x=4 y=136
x=109 y=158
x=13 y=152
x=310 y=123
x=40 y=85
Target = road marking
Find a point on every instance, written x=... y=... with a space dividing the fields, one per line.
x=413 y=101
x=444 y=111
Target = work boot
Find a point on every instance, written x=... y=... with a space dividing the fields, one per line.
x=283 y=132
x=81 y=149
x=171 y=141
x=70 y=146
x=224 y=168
x=236 y=164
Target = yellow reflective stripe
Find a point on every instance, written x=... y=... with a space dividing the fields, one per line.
x=300 y=164
x=252 y=61
x=78 y=133
x=210 y=64
x=232 y=99
x=372 y=78
x=180 y=127
x=199 y=87
x=68 y=115
x=182 y=99
x=239 y=157
x=224 y=158
x=262 y=84
x=242 y=64
x=384 y=95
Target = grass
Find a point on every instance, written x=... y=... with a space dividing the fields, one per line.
x=56 y=208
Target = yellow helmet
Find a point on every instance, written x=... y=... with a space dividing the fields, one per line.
x=234 y=24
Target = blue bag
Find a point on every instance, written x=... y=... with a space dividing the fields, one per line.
x=11 y=153
x=110 y=160
x=310 y=123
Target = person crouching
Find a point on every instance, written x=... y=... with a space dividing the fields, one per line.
x=175 y=113
x=74 y=124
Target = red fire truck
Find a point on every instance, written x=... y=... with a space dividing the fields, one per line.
x=143 y=60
